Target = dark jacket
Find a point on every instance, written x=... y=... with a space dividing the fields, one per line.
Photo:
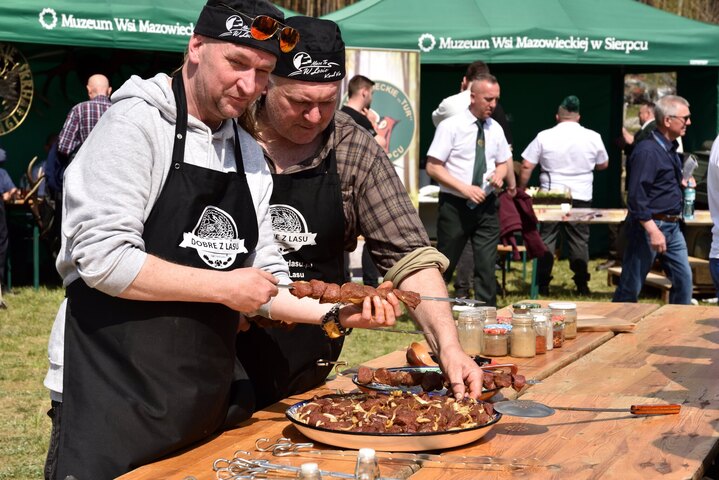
x=517 y=215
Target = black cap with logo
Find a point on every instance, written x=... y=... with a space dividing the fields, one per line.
x=320 y=54
x=230 y=20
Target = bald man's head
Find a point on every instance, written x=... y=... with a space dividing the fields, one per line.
x=98 y=84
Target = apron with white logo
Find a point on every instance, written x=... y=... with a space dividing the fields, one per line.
x=143 y=379
x=307 y=218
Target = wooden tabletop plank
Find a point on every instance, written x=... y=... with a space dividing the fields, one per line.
x=197 y=461
x=270 y=423
x=672 y=357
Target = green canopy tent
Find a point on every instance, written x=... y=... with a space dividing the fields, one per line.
x=128 y=24
x=543 y=50
x=610 y=32
x=64 y=41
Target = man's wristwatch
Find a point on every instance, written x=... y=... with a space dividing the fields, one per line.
x=331 y=323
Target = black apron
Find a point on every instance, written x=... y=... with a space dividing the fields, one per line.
x=283 y=362
x=142 y=379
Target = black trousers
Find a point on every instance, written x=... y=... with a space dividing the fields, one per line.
x=576 y=235
x=456 y=224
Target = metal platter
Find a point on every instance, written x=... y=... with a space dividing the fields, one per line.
x=523 y=408
x=394 y=442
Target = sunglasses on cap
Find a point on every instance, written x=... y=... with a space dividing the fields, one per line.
x=263 y=27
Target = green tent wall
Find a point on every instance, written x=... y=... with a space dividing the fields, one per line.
x=543 y=50
x=537 y=50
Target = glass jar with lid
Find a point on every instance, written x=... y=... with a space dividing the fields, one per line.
x=469 y=331
x=568 y=311
x=496 y=340
x=545 y=315
x=524 y=307
x=540 y=333
x=523 y=339
x=489 y=315
x=558 y=334
x=458 y=309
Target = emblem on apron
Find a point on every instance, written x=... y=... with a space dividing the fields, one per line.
x=215 y=238
x=290 y=229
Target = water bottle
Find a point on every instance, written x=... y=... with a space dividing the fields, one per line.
x=690 y=194
x=309 y=471
x=367 y=466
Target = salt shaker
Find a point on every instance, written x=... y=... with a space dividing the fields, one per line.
x=367 y=466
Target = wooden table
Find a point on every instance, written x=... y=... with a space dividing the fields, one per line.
x=673 y=357
x=547 y=213
x=271 y=422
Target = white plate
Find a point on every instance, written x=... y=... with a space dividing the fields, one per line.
x=390 y=442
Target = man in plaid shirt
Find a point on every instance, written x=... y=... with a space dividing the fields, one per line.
x=84 y=116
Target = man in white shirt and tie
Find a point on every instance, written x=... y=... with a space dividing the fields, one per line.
x=468 y=157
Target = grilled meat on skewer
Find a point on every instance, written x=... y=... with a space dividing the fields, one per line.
x=349 y=292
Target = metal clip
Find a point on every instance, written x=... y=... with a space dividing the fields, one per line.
x=326 y=363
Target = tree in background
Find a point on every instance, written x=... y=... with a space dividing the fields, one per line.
x=703 y=10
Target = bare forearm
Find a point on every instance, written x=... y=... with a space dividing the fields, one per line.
x=434 y=317
x=525 y=173
x=243 y=289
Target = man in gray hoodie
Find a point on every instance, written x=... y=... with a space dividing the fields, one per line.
x=166 y=237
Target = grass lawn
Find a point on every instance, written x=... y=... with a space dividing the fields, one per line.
x=25 y=327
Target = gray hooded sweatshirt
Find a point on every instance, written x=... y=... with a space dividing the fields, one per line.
x=114 y=181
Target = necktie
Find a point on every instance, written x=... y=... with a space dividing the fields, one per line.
x=480 y=162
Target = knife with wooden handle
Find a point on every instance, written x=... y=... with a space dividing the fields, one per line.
x=670 y=409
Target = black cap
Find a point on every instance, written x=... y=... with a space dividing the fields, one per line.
x=319 y=55
x=220 y=19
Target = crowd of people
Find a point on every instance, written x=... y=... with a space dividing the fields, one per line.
x=187 y=200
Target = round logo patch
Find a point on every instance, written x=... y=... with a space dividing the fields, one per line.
x=396 y=119
x=290 y=229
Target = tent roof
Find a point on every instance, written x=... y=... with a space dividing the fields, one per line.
x=131 y=24
x=534 y=31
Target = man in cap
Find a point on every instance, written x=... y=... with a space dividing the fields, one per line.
x=166 y=238
x=333 y=182
x=654 y=201
x=568 y=154
x=469 y=157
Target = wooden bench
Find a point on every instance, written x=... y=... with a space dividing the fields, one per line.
x=657 y=279
x=504 y=257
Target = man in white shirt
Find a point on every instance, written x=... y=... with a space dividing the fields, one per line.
x=448 y=107
x=469 y=163
x=568 y=154
x=713 y=191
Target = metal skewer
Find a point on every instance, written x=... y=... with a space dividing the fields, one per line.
x=284 y=447
x=466 y=301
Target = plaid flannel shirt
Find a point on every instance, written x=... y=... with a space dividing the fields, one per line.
x=80 y=121
x=376 y=204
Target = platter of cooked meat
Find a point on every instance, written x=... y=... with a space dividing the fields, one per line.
x=430 y=379
x=398 y=421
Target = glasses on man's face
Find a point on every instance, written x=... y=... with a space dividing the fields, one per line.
x=684 y=118
x=264 y=27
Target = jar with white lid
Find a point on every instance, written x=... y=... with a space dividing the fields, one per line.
x=545 y=314
x=567 y=310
